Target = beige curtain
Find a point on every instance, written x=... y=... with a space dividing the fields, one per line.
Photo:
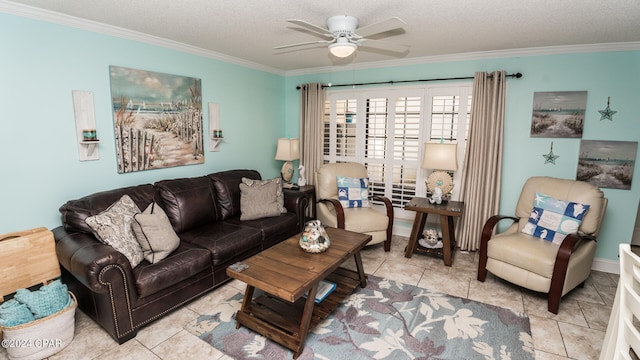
x=311 y=128
x=481 y=179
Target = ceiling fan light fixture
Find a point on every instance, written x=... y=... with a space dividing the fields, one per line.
x=342 y=48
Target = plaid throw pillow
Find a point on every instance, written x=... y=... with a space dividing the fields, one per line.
x=353 y=192
x=552 y=219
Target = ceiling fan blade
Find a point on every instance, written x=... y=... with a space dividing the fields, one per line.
x=389 y=24
x=383 y=45
x=302 y=44
x=309 y=26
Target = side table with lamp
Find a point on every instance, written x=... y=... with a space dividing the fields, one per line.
x=438 y=156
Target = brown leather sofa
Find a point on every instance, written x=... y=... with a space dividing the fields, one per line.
x=205 y=213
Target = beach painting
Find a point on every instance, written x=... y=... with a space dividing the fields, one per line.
x=607 y=164
x=558 y=114
x=157 y=119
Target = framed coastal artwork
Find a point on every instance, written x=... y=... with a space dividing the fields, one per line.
x=607 y=164
x=157 y=119
x=558 y=114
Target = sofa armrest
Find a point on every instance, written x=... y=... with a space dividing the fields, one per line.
x=97 y=266
x=296 y=202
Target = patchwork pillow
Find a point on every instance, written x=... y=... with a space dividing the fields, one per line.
x=259 y=200
x=279 y=193
x=113 y=227
x=552 y=219
x=353 y=192
x=154 y=233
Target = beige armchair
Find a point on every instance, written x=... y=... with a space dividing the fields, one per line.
x=330 y=211
x=540 y=265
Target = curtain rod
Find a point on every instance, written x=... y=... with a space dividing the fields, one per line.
x=516 y=76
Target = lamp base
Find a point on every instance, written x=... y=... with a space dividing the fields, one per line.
x=439 y=184
x=287 y=171
x=439 y=179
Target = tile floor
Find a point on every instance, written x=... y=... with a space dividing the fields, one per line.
x=576 y=332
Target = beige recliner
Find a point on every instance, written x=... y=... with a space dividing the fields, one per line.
x=538 y=264
x=330 y=211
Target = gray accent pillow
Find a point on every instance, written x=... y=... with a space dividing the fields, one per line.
x=259 y=200
x=155 y=233
x=279 y=193
x=113 y=227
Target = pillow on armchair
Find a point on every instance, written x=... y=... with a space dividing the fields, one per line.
x=353 y=192
x=552 y=219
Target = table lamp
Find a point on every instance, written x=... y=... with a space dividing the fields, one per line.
x=440 y=156
x=288 y=150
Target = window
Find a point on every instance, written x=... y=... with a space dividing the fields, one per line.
x=385 y=129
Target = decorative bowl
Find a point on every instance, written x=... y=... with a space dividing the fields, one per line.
x=314 y=238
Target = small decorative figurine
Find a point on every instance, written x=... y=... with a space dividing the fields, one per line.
x=314 y=238
x=301 y=179
x=436 y=197
x=430 y=240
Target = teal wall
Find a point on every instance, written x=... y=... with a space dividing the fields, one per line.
x=42 y=63
x=602 y=74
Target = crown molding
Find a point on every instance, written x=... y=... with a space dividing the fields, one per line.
x=84 y=24
x=75 y=22
x=482 y=55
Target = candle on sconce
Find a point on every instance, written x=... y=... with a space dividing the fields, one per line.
x=89 y=135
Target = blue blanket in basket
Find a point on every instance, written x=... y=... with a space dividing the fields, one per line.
x=28 y=305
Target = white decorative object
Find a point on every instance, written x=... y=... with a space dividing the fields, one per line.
x=431 y=240
x=302 y=181
x=436 y=197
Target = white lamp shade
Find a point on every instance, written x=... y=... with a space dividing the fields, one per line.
x=342 y=48
x=440 y=156
x=288 y=149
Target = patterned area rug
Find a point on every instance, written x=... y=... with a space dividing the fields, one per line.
x=385 y=320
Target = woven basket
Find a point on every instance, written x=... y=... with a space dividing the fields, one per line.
x=43 y=337
x=28 y=258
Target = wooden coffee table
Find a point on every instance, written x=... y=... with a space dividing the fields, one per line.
x=284 y=273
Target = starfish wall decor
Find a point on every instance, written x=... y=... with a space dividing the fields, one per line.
x=550 y=157
x=607 y=113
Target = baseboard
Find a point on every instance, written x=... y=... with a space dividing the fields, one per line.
x=604 y=265
x=401 y=230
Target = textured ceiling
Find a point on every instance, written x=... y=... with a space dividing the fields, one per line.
x=249 y=29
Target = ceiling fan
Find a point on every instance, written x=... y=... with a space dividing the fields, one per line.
x=342 y=38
